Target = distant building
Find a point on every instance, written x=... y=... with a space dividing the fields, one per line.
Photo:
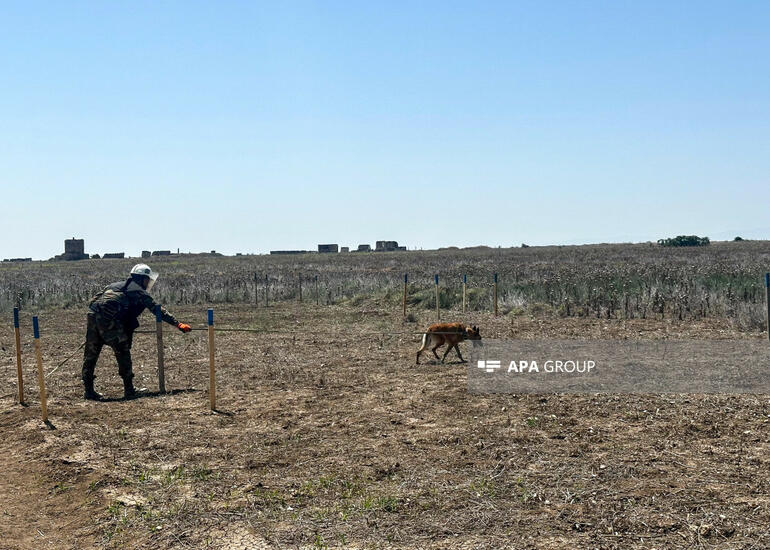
x=146 y=253
x=328 y=248
x=18 y=260
x=114 y=256
x=74 y=249
x=161 y=253
x=364 y=248
x=345 y=249
x=387 y=246
x=288 y=252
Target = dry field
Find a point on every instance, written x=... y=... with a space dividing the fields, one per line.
x=328 y=435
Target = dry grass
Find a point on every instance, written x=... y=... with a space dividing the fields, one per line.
x=641 y=281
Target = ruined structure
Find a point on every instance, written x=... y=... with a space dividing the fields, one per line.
x=364 y=248
x=328 y=248
x=74 y=249
x=114 y=255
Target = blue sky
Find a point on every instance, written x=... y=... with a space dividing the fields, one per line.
x=247 y=126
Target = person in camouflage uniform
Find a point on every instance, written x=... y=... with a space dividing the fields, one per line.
x=112 y=320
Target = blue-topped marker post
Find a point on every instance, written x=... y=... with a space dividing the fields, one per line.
x=438 y=309
x=465 y=285
x=406 y=281
x=40 y=377
x=767 y=295
x=495 y=291
x=161 y=363
x=17 y=333
x=212 y=377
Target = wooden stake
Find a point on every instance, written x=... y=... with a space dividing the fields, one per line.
x=317 y=298
x=19 y=375
x=40 y=376
x=495 y=286
x=256 y=291
x=161 y=364
x=212 y=376
x=465 y=284
x=300 y=287
x=406 y=279
x=767 y=295
x=267 y=282
x=438 y=309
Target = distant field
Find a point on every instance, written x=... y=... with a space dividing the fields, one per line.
x=723 y=280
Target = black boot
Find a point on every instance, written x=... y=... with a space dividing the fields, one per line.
x=90 y=393
x=129 y=391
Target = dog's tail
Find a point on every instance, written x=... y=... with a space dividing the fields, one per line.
x=424 y=345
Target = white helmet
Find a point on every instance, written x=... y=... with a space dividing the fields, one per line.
x=144 y=269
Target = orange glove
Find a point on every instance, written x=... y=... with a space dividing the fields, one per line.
x=184 y=327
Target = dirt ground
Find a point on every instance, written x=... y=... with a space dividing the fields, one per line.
x=328 y=435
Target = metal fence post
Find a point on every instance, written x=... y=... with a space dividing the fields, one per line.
x=17 y=334
x=161 y=363
x=212 y=375
x=40 y=376
x=438 y=309
x=406 y=279
x=495 y=287
x=767 y=295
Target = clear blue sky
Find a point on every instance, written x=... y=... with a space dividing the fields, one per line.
x=249 y=126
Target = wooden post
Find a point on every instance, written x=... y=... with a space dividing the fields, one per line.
x=767 y=295
x=465 y=284
x=256 y=291
x=212 y=376
x=40 y=376
x=438 y=309
x=161 y=365
x=495 y=287
x=317 y=298
x=406 y=280
x=299 y=278
x=19 y=375
x=267 y=282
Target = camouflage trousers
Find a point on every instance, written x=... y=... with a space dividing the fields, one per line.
x=102 y=331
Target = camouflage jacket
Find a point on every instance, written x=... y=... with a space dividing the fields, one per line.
x=123 y=302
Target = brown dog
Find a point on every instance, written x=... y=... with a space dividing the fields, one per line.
x=451 y=333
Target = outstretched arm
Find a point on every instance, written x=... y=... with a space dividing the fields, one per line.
x=166 y=316
x=153 y=306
